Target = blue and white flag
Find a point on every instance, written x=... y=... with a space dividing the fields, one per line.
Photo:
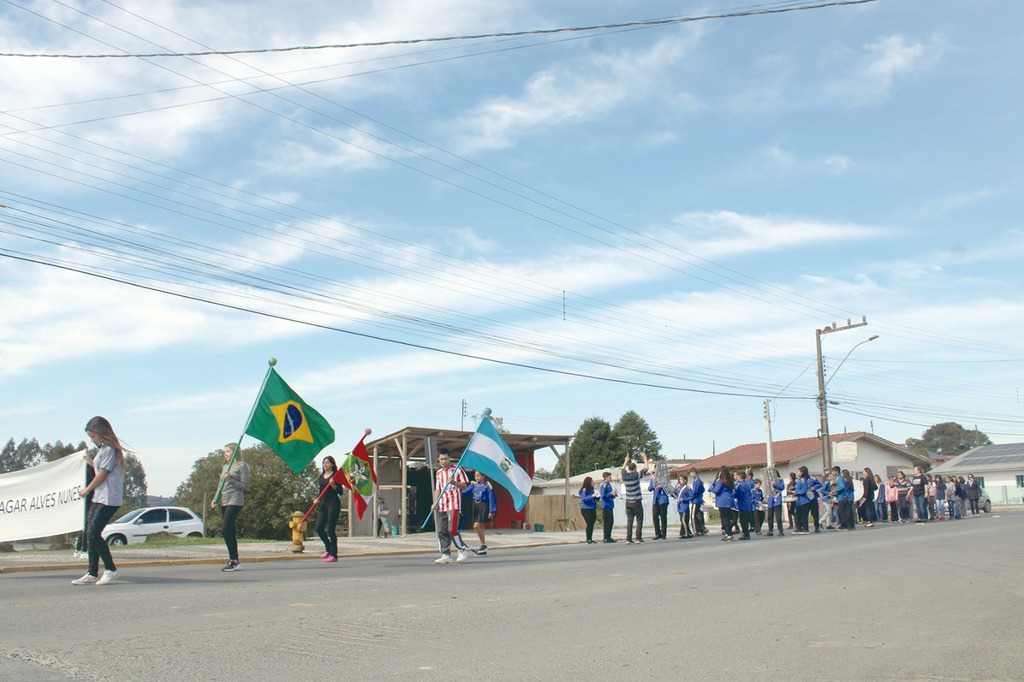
x=488 y=454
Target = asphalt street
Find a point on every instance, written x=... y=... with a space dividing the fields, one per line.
x=938 y=601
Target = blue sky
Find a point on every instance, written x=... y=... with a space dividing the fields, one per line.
x=555 y=226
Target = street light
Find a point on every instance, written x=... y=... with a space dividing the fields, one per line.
x=826 y=444
x=869 y=339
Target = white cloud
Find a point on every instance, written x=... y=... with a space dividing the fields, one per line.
x=880 y=66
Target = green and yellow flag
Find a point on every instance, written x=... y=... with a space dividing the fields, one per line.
x=290 y=427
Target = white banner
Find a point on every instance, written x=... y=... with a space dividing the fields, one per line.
x=43 y=501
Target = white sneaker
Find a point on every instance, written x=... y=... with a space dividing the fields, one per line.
x=445 y=559
x=107 y=577
x=463 y=555
x=86 y=579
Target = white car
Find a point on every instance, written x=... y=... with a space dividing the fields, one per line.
x=136 y=526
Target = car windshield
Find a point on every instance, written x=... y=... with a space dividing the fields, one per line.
x=130 y=516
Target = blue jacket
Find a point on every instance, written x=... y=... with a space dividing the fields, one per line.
x=757 y=494
x=742 y=493
x=775 y=499
x=683 y=497
x=843 y=491
x=660 y=496
x=588 y=498
x=697 y=497
x=803 y=491
x=482 y=492
x=724 y=496
x=607 y=495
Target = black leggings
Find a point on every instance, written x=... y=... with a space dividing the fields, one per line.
x=728 y=520
x=229 y=531
x=590 y=516
x=327 y=525
x=99 y=517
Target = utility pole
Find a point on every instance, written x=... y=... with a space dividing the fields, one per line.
x=768 y=434
x=826 y=443
x=463 y=426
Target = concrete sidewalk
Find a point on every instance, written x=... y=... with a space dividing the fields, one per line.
x=30 y=559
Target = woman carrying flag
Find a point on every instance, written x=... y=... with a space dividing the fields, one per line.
x=484 y=507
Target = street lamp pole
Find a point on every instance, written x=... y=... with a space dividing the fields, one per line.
x=826 y=444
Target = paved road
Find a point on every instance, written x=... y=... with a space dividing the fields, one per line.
x=940 y=601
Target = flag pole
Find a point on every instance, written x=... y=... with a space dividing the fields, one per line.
x=238 y=443
x=339 y=477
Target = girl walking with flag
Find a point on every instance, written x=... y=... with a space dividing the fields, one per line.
x=484 y=507
x=330 y=510
x=235 y=477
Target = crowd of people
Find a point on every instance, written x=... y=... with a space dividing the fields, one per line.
x=744 y=503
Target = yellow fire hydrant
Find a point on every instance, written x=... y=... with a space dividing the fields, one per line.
x=298 y=527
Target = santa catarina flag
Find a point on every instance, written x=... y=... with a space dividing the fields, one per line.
x=362 y=479
x=290 y=427
x=491 y=456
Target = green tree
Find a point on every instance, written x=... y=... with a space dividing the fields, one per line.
x=594 y=446
x=25 y=454
x=58 y=450
x=635 y=436
x=948 y=438
x=275 y=491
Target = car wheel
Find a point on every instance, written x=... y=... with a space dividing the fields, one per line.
x=195 y=535
x=988 y=506
x=116 y=540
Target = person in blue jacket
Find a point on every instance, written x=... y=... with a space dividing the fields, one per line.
x=725 y=498
x=683 y=494
x=744 y=499
x=757 y=494
x=608 y=495
x=588 y=506
x=804 y=500
x=814 y=493
x=774 y=503
x=844 y=498
x=697 y=504
x=484 y=507
x=659 y=510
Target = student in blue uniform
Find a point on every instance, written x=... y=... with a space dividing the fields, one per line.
x=725 y=498
x=774 y=504
x=844 y=499
x=744 y=499
x=659 y=510
x=697 y=504
x=588 y=506
x=683 y=494
x=484 y=507
x=804 y=501
x=813 y=492
x=608 y=496
x=757 y=494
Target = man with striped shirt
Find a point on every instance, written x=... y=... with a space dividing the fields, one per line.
x=449 y=482
x=634 y=498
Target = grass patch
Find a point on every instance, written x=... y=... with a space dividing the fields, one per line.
x=174 y=541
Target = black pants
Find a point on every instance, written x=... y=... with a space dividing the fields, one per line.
x=791 y=506
x=607 y=520
x=229 y=531
x=697 y=518
x=802 y=510
x=869 y=511
x=758 y=520
x=634 y=512
x=684 y=525
x=728 y=520
x=846 y=517
x=327 y=525
x=775 y=518
x=660 y=514
x=99 y=517
x=815 y=514
x=590 y=517
x=746 y=522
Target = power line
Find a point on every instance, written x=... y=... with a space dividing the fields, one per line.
x=640 y=24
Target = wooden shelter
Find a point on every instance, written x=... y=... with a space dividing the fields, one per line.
x=405 y=462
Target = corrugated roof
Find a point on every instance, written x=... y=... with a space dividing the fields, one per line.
x=986 y=458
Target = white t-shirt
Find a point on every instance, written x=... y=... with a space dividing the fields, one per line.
x=111 y=491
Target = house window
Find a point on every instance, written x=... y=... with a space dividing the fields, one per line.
x=981 y=480
x=1020 y=480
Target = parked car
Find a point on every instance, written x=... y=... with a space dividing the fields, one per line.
x=984 y=501
x=136 y=526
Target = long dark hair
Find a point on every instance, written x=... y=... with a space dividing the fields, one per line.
x=104 y=433
x=588 y=484
x=725 y=476
x=330 y=458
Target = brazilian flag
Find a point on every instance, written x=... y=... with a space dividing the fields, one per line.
x=290 y=427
